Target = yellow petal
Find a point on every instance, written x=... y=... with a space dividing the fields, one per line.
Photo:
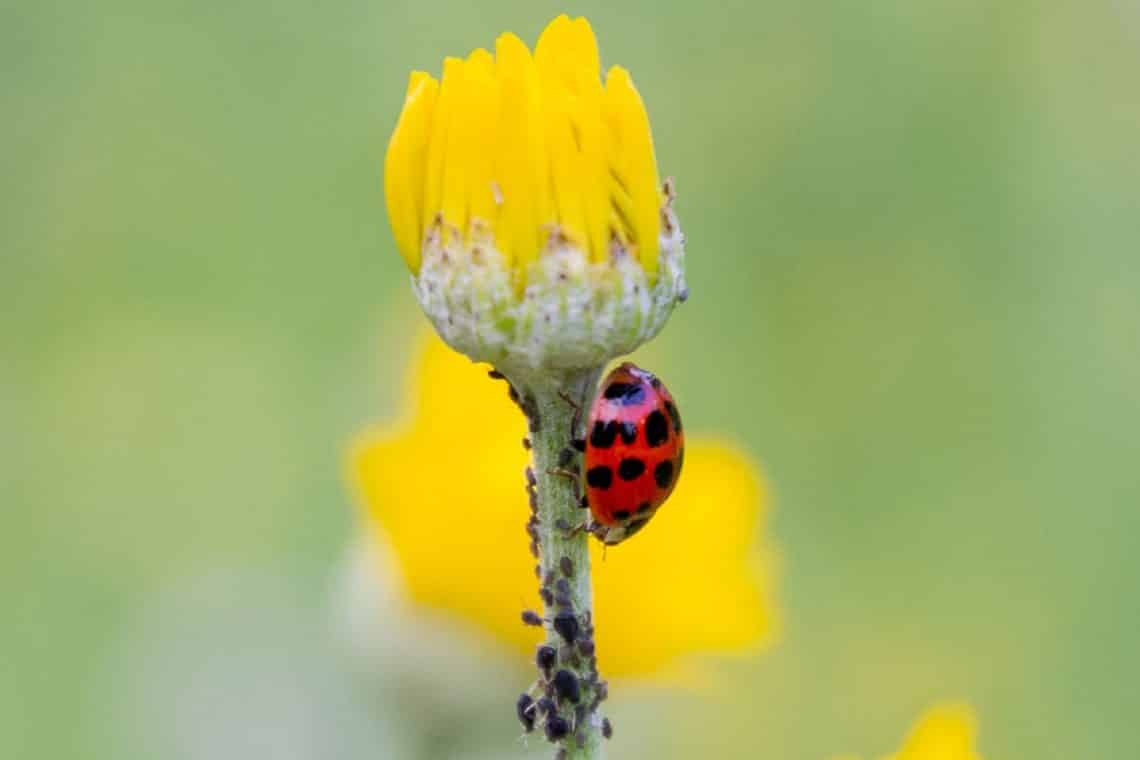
x=461 y=546
x=584 y=49
x=633 y=164
x=568 y=63
x=554 y=43
x=521 y=165
x=482 y=61
x=565 y=175
x=437 y=142
x=480 y=109
x=404 y=166
x=457 y=84
x=593 y=164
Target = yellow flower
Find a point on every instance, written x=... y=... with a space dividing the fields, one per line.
x=944 y=732
x=444 y=489
x=524 y=196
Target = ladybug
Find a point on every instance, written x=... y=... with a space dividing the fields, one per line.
x=632 y=452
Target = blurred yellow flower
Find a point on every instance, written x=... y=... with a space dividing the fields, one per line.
x=444 y=489
x=944 y=732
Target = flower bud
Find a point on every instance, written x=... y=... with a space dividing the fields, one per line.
x=524 y=196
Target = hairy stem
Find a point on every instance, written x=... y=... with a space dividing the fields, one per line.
x=564 y=564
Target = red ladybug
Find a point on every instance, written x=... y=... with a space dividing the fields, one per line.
x=633 y=452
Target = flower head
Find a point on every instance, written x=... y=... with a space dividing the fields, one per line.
x=523 y=194
x=449 y=502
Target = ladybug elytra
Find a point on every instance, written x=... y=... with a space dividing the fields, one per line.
x=633 y=451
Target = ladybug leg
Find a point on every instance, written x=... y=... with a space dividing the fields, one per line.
x=573 y=404
x=570 y=531
x=579 y=444
x=572 y=475
x=563 y=473
x=600 y=532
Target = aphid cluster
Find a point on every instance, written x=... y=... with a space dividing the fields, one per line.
x=568 y=689
x=532 y=523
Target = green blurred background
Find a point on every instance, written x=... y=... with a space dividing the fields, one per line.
x=914 y=232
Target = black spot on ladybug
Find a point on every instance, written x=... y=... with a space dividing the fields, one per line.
x=626 y=394
x=663 y=473
x=566 y=625
x=645 y=507
x=628 y=432
x=600 y=477
x=631 y=468
x=674 y=415
x=603 y=434
x=635 y=526
x=566 y=686
x=524 y=708
x=556 y=728
x=656 y=428
x=614 y=390
x=621 y=514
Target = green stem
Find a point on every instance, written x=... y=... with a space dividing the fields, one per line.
x=563 y=546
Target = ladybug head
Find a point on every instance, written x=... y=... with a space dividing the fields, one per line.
x=631 y=370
